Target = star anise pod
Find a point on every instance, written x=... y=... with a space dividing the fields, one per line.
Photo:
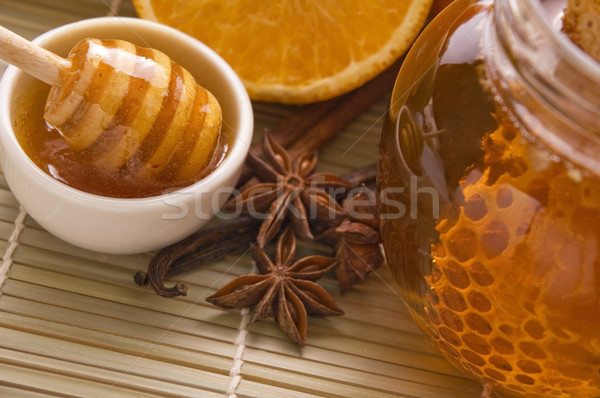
x=284 y=287
x=356 y=240
x=289 y=191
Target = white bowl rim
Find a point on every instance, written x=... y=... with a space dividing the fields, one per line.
x=229 y=166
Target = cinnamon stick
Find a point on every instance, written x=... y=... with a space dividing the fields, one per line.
x=351 y=106
x=293 y=127
x=300 y=121
x=313 y=125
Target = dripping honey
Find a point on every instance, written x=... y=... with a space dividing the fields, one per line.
x=47 y=149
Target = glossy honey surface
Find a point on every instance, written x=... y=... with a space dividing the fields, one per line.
x=127 y=122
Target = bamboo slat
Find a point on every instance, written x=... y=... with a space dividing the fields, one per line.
x=74 y=324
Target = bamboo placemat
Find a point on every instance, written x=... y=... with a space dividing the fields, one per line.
x=73 y=323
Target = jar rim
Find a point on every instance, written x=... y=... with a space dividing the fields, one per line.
x=547 y=84
x=561 y=41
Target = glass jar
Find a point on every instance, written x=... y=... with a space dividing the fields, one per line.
x=489 y=183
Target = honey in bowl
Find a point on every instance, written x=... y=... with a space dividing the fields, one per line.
x=49 y=151
x=498 y=253
x=124 y=121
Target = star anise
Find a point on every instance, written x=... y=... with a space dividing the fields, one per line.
x=289 y=191
x=356 y=240
x=284 y=287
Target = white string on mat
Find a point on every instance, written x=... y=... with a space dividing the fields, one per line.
x=13 y=243
x=235 y=373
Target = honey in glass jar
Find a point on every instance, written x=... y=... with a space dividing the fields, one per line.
x=489 y=180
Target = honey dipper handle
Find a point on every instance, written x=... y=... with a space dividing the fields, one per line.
x=31 y=58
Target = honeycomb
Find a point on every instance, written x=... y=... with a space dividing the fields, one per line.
x=515 y=292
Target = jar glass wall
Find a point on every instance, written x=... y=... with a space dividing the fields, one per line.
x=489 y=182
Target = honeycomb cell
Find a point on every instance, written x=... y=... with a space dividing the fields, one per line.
x=453 y=299
x=475 y=207
x=504 y=198
x=435 y=276
x=532 y=350
x=462 y=244
x=477 y=344
x=502 y=346
x=534 y=329
x=539 y=190
x=506 y=329
x=480 y=274
x=448 y=349
x=518 y=167
x=456 y=275
x=478 y=323
x=509 y=134
x=496 y=170
x=449 y=336
x=525 y=379
x=528 y=366
x=494 y=239
x=433 y=316
x=472 y=357
x=494 y=374
x=479 y=301
x=452 y=320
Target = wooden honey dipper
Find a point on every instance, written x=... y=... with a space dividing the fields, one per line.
x=129 y=108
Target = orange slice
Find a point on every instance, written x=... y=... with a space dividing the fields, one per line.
x=297 y=51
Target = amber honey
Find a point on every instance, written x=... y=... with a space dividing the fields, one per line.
x=501 y=266
x=48 y=150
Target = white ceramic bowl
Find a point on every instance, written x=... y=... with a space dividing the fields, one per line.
x=123 y=226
